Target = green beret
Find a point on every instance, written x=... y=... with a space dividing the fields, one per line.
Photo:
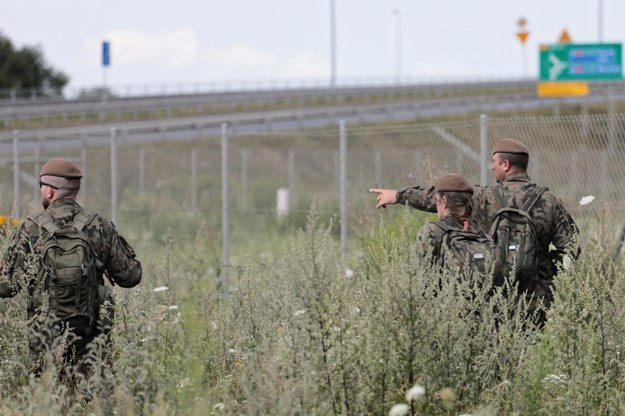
x=62 y=168
x=510 y=146
x=453 y=183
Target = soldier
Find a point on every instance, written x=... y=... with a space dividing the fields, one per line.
x=553 y=224
x=454 y=231
x=59 y=182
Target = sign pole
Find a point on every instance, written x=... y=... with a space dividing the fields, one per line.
x=106 y=62
x=522 y=34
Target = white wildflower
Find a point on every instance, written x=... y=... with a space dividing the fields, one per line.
x=586 y=200
x=349 y=273
x=400 y=409
x=355 y=310
x=173 y=308
x=554 y=378
x=300 y=312
x=219 y=406
x=233 y=351
x=566 y=262
x=161 y=289
x=415 y=393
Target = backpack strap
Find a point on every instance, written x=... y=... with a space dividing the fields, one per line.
x=82 y=218
x=45 y=221
x=443 y=227
x=529 y=202
x=445 y=234
x=499 y=196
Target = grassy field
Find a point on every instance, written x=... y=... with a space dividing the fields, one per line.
x=316 y=332
x=305 y=329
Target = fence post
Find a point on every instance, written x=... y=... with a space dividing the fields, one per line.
x=378 y=168
x=291 y=172
x=83 y=164
x=37 y=167
x=224 y=210
x=16 y=174
x=584 y=117
x=113 y=175
x=193 y=180
x=142 y=170
x=244 y=160
x=483 y=149
x=343 y=184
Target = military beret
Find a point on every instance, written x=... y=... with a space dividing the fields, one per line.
x=453 y=183
x=62 y=168
x=510 y=146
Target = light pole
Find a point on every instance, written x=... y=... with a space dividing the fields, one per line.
x=600 y=20
x=397 y=14
x=332 y=44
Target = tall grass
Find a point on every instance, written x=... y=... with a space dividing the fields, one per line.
x=312 y=331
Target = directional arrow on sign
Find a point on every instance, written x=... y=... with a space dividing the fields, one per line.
x=557 y=66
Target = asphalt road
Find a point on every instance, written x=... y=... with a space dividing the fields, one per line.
x=287 y=119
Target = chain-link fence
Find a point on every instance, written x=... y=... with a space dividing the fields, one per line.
x=274 y=178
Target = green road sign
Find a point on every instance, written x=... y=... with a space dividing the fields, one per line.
x=580 y=62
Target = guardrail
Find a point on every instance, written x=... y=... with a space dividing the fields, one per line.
x=83 y=112
x=296 y=118
x=98 y=92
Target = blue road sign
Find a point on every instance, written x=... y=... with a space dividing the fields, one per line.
x=106 y=53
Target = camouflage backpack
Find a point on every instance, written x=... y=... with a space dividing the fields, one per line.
x=476 y=248
x=68 y=269
x=516 y=241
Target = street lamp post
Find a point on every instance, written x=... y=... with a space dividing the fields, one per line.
x=600 y=20
x=397 y=14
x=332 y=44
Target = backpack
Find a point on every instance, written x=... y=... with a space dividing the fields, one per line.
x=463 y=246
x=68 y=269
x=516 y=241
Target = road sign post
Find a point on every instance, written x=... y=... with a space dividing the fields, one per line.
x=106 y=62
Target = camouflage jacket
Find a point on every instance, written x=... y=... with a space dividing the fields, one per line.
x=114 y=255
x=554 y=225
x=430 y=237
x=429 y=240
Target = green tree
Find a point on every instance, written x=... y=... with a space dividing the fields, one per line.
x=26 y=68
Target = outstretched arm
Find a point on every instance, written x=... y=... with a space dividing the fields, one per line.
x=385 y=196
x=421 y=198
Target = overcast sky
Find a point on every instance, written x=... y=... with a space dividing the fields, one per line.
x=199 y=41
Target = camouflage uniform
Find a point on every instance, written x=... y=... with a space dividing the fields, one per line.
x=430 y=237
x=114 y=256
x=553 y=223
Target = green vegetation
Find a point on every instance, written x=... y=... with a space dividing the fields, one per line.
x=312 y=331
x=26 y=69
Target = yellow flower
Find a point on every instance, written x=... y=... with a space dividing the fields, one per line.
x=448 y=397
x=15 y=221
x=3 y=219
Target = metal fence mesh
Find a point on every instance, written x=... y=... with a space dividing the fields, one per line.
x=574 y=156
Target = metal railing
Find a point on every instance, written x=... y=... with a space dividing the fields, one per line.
x=239 y=173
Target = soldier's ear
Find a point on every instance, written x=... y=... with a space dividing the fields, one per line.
x=48 y=192
x=506 y=164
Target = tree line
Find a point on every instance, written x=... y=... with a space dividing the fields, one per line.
x=26 y=68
